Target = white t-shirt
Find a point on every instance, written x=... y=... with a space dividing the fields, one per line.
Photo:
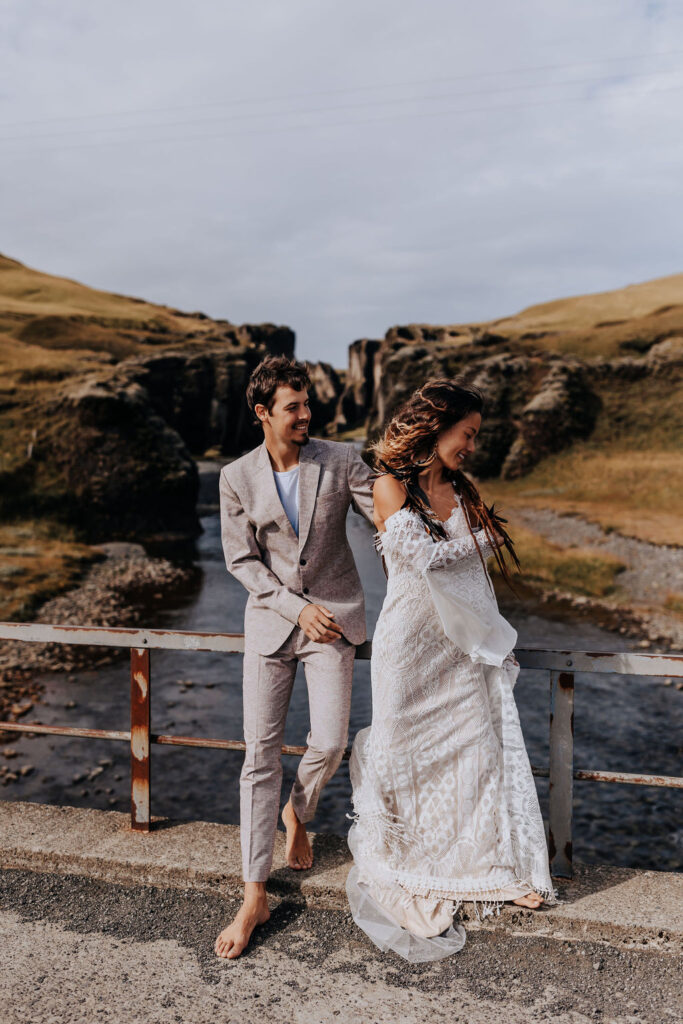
x=288 y=488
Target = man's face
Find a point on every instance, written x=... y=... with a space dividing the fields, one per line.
x=289 y=417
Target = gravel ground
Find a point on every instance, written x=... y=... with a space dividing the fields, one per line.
x=73 y=947
x=653 y=571
x=113 y=593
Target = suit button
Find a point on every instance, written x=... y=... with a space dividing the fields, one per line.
x=302 y=561
x=305 y=590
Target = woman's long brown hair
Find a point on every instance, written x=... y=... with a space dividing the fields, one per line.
x=408 y=446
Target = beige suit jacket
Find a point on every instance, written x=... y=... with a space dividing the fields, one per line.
x=283 y=572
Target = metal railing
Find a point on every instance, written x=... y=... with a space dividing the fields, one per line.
x=561 y=665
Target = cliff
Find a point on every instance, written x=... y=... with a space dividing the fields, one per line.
x=105 y=400
x=550 y=374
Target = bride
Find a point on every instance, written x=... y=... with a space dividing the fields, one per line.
x=445 y=803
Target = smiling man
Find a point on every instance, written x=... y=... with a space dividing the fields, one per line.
x=283 y=525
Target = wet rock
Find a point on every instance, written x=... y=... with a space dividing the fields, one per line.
x=21 y=709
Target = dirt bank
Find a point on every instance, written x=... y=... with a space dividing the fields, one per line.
x=638 y=608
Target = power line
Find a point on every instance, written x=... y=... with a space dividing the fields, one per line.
x=324 y=109
x=285 y=129
x=348 y=89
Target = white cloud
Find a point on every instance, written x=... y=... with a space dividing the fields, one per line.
x=466 y=205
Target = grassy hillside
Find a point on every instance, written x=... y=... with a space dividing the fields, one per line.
x=54 y=313
x=604 y=323
x=628 y=475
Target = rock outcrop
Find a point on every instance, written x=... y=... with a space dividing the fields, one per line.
x=356 y=397
x=326 y=388
x=111 y=465
x=563 y=410
x=540 y=397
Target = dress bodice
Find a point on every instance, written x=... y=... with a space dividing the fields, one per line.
x=408 y=548
x=446 y=581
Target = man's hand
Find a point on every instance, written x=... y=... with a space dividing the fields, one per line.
x=318 y=624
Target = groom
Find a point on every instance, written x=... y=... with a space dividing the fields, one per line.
x=283 y=526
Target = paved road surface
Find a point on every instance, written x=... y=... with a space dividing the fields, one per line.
x=75 y=950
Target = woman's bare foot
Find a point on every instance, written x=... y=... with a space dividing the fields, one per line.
x=532 y=900
x=299 y=852
x=254 y=910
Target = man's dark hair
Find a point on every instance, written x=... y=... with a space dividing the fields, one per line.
x=272 y=372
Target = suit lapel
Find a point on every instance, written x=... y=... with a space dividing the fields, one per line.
x=272 y=498
x=309 y=471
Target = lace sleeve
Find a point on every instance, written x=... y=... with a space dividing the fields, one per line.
x=405 y=535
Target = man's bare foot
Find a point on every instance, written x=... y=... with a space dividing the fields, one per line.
x=299 y=852
x=235 y=938
x=532 y=900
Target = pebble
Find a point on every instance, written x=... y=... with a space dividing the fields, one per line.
x=9 y=752
x=20 y=709
x=26 y=769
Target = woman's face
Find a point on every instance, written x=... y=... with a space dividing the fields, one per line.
x=455 y=444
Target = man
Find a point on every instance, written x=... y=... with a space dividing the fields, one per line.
x=283 y=526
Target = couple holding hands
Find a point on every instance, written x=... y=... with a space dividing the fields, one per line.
x=445 y=805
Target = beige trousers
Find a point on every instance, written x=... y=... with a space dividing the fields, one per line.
x=267 y=689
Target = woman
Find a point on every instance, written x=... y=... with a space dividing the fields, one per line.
x=445 y=803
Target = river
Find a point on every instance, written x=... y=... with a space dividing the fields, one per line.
x=622 y=723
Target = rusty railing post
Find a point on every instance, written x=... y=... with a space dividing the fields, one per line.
x=140 y=761
x=561 y=772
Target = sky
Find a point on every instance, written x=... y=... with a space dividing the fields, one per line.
x=343 y=167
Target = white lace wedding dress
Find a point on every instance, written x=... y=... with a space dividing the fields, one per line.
x=445 y=803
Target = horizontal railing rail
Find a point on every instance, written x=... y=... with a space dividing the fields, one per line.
x=560 y=664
